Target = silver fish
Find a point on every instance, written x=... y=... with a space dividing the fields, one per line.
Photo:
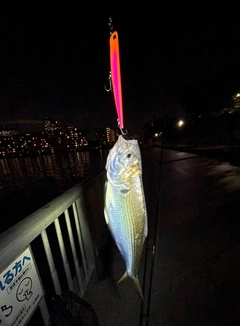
x=125 y=208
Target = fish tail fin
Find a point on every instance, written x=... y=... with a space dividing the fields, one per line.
x=123 y=278
x=135 y=281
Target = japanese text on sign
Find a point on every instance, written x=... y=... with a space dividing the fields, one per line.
x=20 y=290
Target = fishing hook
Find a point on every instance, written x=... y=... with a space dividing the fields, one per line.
x=110 y=89
x=124 y=133
x=110 y=24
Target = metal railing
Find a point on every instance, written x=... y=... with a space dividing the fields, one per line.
x=66 y=224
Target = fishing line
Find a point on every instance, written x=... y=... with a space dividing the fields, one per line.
x=155 y=243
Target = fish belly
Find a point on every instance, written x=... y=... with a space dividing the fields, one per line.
x=125 y=215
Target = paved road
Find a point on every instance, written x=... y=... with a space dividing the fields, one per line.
x=196 y=273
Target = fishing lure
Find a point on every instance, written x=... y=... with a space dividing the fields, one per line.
x=116 y=76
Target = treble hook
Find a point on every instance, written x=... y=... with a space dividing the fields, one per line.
x=110 y=24
x=110 y=89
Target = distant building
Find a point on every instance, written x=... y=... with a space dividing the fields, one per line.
x=57 y=136
x=105 y=135
x=63 y=137
x=101 y=135
x=236 y=101
x=233 y=107
x=49 y=125
x=111 y=135
x=8 y=141
x=8 y=132
x=34 y=143
x=75 y=138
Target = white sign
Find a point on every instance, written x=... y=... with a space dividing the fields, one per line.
x=20 y=290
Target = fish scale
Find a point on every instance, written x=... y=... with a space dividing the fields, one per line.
x=125 y=207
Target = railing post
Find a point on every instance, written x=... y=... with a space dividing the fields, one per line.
x=75 y=258
x=51 y=264
x=85 y=234
x=64 y=255
x=80 y=240
x=44 y=311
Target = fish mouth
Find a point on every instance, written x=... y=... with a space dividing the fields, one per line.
x=127 y=137
x=127 y=140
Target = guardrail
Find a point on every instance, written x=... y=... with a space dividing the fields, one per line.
x=60 y=237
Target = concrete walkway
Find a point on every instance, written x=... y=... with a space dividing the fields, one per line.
x=196 y=273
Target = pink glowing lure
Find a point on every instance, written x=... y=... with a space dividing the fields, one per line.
x=116 y=76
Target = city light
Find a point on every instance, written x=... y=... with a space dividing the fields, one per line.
x=180 y=123
x=56 y=136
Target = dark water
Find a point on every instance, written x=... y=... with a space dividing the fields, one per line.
x=27 y=184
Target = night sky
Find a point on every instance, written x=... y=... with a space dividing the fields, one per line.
x=175 y=56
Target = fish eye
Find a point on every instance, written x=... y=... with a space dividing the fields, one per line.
x=129 y=155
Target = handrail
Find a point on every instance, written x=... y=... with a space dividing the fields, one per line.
x=24 y=232
x=80 y=202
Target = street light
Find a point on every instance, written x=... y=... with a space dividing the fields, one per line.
x=180 y=123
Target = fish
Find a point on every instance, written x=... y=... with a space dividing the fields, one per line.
x=125 y=206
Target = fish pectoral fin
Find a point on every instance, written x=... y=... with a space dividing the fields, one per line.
x=125 y=191
x=135 y=281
